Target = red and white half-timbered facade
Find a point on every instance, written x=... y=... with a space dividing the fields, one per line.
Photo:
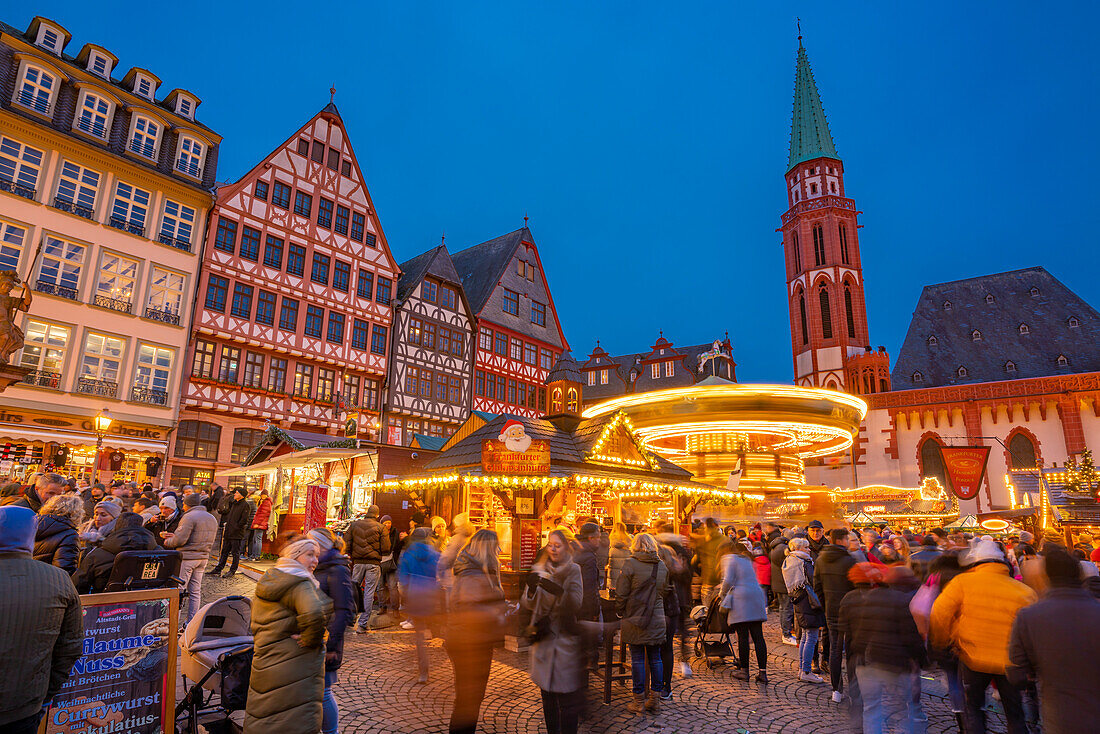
x=519 y=338
x=431 y=361
x=294 y=304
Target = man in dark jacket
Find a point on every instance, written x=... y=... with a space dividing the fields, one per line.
x=45 y=487
x=96 y=565
x=40 y=616
x=777 y=551
x=832 y=584
x=165 y=521
x=234 y=527
x=818 y=540
x=884 y=643
x=588 y=540
x=1055 y=642
x=367 y=542
x=922 y=559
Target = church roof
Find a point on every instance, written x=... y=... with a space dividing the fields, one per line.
x=810 y=136
x=481 y=266
x=997 y=327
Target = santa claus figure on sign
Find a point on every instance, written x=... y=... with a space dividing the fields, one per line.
x=514 y=437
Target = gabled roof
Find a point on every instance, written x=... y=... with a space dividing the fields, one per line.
x=414 y=270
x=432 y=443
x=630 y=373
x=481 y=266
x=941 y=336
x=810 y=136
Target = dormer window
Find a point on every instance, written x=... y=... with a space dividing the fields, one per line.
x=99 y=64
x=1010 y=367
x=918 y=378
x=185 y=107
x=143 y=137
x=961 y=372
x=655 y=370
x=94 y=115
x=989 y=298
x=1024 y=329
x=933 y=341
x=1062 y=361
x=1073 y=322
x=975 y=336
x=36 y=90
x=1034 y=292
x=190 y=156
x=947 y=305
x=49 y=38
x=143 y=86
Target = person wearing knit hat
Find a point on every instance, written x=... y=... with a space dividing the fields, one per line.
x=192 y=500
x=167 y=521
x=1054 y=642
x=974 y=614
x=101 y=523
x=290 y=616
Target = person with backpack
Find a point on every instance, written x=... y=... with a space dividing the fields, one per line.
x=640 y=592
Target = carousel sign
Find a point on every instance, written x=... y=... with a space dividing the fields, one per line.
x=513 y=452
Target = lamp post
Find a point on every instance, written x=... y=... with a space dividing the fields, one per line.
x=102 y=423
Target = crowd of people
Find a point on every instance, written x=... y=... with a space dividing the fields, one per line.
x=868 y=609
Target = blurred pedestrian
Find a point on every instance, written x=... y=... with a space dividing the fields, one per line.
x=798 y=573
x=55 y=540
x=747 y=610
x=290 y=615
x=235 y=512
x=777 y=553
x=463 y=531
x=678 y=562
x=41 y=619
x=193 y=538
x=706 y=548
x=476 y=609
x=260 y=522
x=639 y=600
x=921 y=560
x=974 y=614
x=333 y=573
x=367 y=542
x=617 y=554
x=1055 y=643
x=417 y=567
x=584 y=556
x=831 y=584
x=555 y=594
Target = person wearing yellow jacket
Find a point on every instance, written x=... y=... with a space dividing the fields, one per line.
x=974 y=615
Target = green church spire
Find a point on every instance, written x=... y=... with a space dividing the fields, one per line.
x=810 y=137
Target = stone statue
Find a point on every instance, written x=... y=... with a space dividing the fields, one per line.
x=11 y=336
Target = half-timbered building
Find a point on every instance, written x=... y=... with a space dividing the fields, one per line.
x=429 y=389
x=519 y=338
x=294 y=305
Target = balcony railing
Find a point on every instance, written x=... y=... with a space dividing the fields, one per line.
x=55 y=289
x=176 y=242
x=73 y=208
x=35 y=102
x=821 y=202
x=139 y=394
x=14 y=187
x=164 y=315
x=127 y=226
x=115 y=304
x=102 y=388
x=92 y=127
x=142 y=148
x=43 y=378
x=189 y=167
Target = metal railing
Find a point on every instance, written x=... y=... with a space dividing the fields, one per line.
x=158 y=314
x=102 y=388
x=14 y=187
x=97 y=129
x=115 y=304
x=73 y=208
x=55 y=289
x=43 y=378
x=141 y=394
x=127 y=225
x=176 y=242
x=145 y=149
x=189 y=167
x=36 y=103
x=821 y=202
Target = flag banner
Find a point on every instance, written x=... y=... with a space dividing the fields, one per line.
x=965 y=467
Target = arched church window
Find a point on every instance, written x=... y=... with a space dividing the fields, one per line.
x=848 y=312
x=826 y=314
x=819 y=245
x=797 y=254
x=1021 y=452
x=931 y=460
x=842 y=233
x=802 y=313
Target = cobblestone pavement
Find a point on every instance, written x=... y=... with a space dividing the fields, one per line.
x=378 y=693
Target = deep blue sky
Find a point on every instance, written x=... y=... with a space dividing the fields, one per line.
x=648 y=141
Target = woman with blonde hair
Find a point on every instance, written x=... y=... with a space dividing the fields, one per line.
x=56 y=541
x=333 y=572
x=617 y=555
x=474 y=626
x=640 y=591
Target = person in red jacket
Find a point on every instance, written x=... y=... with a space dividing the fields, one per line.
x=763 y=567
x=259 y=525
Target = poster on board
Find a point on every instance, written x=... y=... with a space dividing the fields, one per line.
x=316 y=507
x=125 y=679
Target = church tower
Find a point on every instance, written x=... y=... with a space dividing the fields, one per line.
x=829 y=339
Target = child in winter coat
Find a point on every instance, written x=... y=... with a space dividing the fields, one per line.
x=763 y=567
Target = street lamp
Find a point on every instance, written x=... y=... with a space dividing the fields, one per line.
x=102 y=423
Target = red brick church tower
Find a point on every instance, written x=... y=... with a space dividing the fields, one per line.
x=829 y=340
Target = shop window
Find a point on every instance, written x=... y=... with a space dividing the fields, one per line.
x=197 y=440
x=184 y=475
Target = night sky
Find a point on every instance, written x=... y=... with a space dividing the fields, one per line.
x=648 y=141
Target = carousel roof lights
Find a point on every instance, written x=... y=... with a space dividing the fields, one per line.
x=707 y=391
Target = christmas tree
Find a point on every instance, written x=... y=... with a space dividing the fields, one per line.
x=1082 y=479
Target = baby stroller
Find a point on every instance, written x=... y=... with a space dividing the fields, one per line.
x=216 y=654
x=712 y=640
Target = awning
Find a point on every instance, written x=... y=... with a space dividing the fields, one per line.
x=294 y=460
x=33 y=434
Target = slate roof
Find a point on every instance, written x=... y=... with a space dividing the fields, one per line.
x=810 y=136
x=481 y=266
x=629 y=373
x=1046 y=314
x=565 y=369
x=567 y=450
